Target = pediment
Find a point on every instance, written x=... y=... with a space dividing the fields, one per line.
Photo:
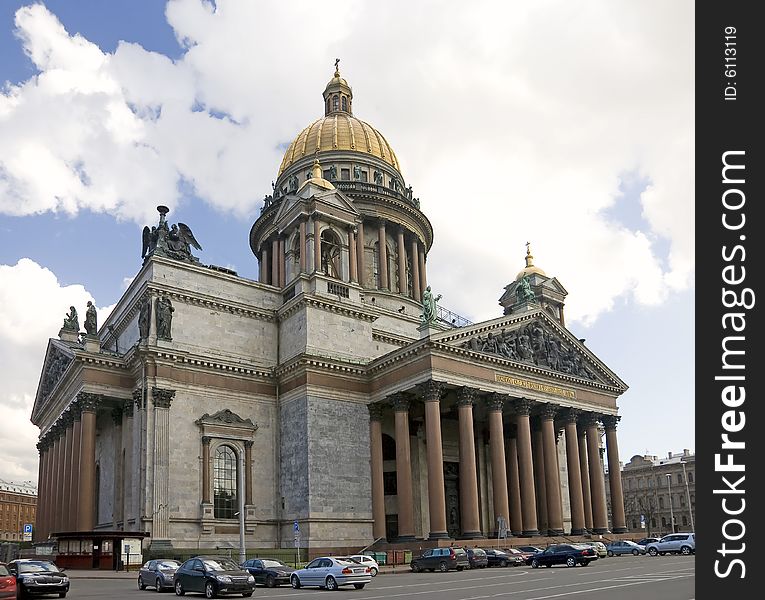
x=58 y=358
x=550 y=286
x=533 y=339
x=331 y=201
x=226 y=417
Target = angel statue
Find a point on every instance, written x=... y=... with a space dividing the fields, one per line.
x=171 y=242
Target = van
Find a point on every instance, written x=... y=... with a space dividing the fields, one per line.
x=441 y=559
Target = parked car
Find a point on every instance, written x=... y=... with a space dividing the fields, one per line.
x=503 y=558
x=477 y=558
x=367 y=561
x=564 y=554
x=518 y=557
x=680 y=543
x=158 y=574
x=35 y=577
x=268 y=571
x=528 y=552
x=7 y=583
x=213 y=575
x=617 y=548
x=330 y=572
x=599 y=547
x=443 y=559
x=647 y=540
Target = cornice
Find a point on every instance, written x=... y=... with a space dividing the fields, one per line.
x=154 y=353
x=325 y=304
x=210 y=302
x=306 y=362
x=391 y=338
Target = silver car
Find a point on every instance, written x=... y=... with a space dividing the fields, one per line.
x=624 y=547
x=157 y=574
x=681 y=543
x=331 y=572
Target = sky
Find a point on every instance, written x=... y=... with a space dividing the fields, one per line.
x=565 y=124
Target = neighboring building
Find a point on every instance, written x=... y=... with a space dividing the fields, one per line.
x=18 y=502
x=333 y=392
x=659 y=489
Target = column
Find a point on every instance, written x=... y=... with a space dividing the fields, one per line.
x=303 y=248
x=117 y=474
x=540 y=481
x=405 y=499
x=522 y=408
x=584 y=469
x=265 y=269
x=282 y=263
x=139 y=482
x=87 y=508
x=316 y=245
x=74 y=476
x=50 y=512
x=436 y=489
x=378 y=489
x=514 y=482
x=360 y=255
x=66 y=486
x=206 y=469
x=417 y=294
x=274 y=278
x=352 y=261
x=247 y=472
x=58 y=515
x=574 y=474
x=495 y=404
x=40 y=490
x=421 y=259
x=402 y=287
x=597 y=483
x=618 y=521
x=470 y=520
x=552 y=475
x=161 y=519
x=382 y=255
x=127 y=469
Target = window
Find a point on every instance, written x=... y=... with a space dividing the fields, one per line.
x=679 y=478
x=345 y=103
x=335 y=102
x=364 y=176
x=685 y=521
x=345 y=174
x=224 y=473
x=663 y=520
x=390 y=486
x=330 y=254
x=661 y=503
x=690 y=476
x=388 y=447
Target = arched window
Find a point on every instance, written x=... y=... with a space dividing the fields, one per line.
x=330 y=254
x=296 y=251
x=335 y=102
x=679 y=478
x=345 y=103
x=225 y=483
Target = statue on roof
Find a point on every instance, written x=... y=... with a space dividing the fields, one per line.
x=171 y=242
x=523 y=292
x=429 y=309
x=91 y=319
x=71 y=321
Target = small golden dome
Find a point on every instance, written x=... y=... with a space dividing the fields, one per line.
x=530 y=268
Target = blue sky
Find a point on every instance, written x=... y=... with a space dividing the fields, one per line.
x=105 y=114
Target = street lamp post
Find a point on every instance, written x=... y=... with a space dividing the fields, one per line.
x=671 y=513
x=688 y=495
x=242 y=549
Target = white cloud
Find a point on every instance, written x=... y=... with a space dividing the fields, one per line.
x=513 y=121
x=32 y=307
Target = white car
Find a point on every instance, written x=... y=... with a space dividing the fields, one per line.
x=330 y=572
x=367 y=561
x=681 y=543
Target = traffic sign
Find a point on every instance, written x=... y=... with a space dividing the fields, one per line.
x=27 y=527
x=295 y=526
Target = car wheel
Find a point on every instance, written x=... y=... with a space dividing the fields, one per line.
x=373 y=571
x=295 y=582
x=503 y=563
x=359 y=586
x=534 y=563
x=443 y=567
x=331 y=584
x=636 y=552
x=270 y=581
x=686 y=550
x=416 y=568
x=570 y=561
x=158 y=585
x=179 y=591
x=610 y=553
x=141 y=584
x=210 y=590
x=585 y=563
x=460 y=568
x=653 y=551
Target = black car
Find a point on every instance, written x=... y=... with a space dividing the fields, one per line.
x=500 y=558
x=213 y=575
x=158 y=573
x=268 y=571
x=36 y=577
x=443 y=559
x=647 y=540
x=477 y=558
x=564 y=554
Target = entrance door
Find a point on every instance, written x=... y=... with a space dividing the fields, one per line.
x=452 y=493
x=97 y=554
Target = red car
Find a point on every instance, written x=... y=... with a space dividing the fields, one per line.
x=7 y=583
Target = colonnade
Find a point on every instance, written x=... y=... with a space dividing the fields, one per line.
x=525 y=476
x=409 y=249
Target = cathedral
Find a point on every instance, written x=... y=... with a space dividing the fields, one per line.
x=333 y=399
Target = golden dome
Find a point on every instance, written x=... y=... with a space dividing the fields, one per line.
x=339 y=131
x=530 y=268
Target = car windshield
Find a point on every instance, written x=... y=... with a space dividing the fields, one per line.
x=168 y=565
x=220 y=564
x=3 y=571
x=271 y=564
x=511 y=551
x=459 y=551
x=478 y=552
x=346 y=561
x=37 y=567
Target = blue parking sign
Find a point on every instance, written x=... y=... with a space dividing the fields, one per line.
x=295 y=526
x=27 y=528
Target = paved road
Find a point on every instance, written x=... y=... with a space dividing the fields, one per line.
x=626 y=578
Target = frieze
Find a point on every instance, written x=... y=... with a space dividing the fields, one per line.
x=535 y=344
x=533 y=385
